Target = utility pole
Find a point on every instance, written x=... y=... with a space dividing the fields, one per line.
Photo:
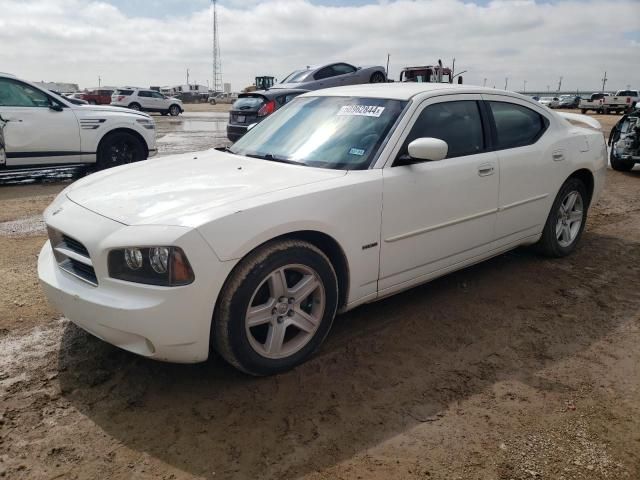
x=187 y=76
x=604 y=81
x=548 y=88
x=506 y=82
x=388 y=57
x=524 y=90
x=559 y=84
x=485 y=83
x=216 y=73
x=99 y=80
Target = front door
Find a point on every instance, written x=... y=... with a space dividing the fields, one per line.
x=441 y=213
x=35 y=133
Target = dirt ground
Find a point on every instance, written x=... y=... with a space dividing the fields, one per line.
x=519 y=368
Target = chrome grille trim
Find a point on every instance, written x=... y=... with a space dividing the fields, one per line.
x=72 y=257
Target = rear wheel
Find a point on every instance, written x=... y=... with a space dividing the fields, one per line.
x=119 y=148
x=377 y=77
x=135 y=106
x=566 y=220
x=583 y=111
x=174 y=110
x=276 y=308
x=92 y=102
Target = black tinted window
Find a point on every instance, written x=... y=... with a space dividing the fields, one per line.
x=457 y=123
x=325 y=72
x=343 y=68
x=123 y=92
x=142 y=93
x=516 y=125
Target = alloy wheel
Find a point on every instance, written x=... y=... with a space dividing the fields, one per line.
x=285 y=311
x=569 y=219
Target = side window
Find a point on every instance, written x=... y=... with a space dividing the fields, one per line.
x=458 y=123
x=157 y=95
x=342 y=69
x=325 y=72
x=15 y=94
x=516 y=126
x=143 y=93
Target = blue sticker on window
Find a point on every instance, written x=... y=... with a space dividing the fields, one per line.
x=356 y=151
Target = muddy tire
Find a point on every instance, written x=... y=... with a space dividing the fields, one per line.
x=566 y=220
x=276 y=308
x=119 y=148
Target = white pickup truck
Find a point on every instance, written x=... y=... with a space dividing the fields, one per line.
x=622 y=101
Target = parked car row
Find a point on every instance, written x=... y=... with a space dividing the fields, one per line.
x=623 y=101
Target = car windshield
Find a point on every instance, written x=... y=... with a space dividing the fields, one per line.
x=342 y=133
x=296 y=76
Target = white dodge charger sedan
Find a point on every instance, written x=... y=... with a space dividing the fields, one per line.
x=342 y=197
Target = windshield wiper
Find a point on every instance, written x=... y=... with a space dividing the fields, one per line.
x=272 y=158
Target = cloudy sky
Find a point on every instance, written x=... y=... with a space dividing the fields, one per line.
x=153 y=42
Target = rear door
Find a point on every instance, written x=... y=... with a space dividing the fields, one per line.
x=345 y=74
x=528 y=155
x=34 y=132
x=145 y=97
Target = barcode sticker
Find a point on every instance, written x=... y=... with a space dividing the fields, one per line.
x=361 y=110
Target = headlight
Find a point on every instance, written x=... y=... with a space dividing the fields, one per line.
x=146 y=123
x=164 y=266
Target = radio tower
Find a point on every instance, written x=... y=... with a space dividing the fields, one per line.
x=216 y=84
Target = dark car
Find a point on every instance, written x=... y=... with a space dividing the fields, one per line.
x=569 y=101
x=253 y=107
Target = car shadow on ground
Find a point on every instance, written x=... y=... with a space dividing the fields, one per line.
x=385 y=367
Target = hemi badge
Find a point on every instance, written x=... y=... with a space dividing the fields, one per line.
x=370 y=245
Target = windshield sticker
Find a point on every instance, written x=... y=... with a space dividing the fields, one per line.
x=361 y=110
x=356 y=151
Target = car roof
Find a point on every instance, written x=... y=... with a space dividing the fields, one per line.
x=406 y=90
x=274 y=92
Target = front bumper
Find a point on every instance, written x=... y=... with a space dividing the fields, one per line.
x=164 y=323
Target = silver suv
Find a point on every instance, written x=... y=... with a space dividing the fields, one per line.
x=146 y=100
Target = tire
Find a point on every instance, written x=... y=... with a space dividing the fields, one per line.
x=254 y=281
x=174 y=110
x=212 y=101
x=119 y=148
x=377 y=77
x=560 y=244
x=92 y=102
x=583 y=111
x=135 y=106
x=165 y=113
x=619 y=164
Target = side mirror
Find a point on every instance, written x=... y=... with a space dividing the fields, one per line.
x=430 y=149
x=55 y=107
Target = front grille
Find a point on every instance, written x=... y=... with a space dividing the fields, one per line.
x=74 y=245
x=72 y=256
x=80 y=270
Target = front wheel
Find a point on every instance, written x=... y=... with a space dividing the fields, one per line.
x=174 y=110
x=276 y=308
x=135 y=106
x=118 y=149
x=620 y=164
x=566 y=220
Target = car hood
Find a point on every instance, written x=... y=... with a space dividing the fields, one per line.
x=179 y=189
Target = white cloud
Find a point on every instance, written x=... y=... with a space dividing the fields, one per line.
x=75 y=41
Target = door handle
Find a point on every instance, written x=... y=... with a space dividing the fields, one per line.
x=557 y=156
x=485 y=170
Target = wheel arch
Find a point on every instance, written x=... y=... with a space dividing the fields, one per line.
x=123 y=130
x=325 y=243
x=585 y=176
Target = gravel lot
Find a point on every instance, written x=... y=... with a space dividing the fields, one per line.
x=519 y=368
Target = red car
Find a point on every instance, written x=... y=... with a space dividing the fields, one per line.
x=97 y=97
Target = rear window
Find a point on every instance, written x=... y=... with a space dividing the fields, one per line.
x=248 y=103
x=627 y=93
x=516 y=126
x=296 y=76
x=123 y=92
